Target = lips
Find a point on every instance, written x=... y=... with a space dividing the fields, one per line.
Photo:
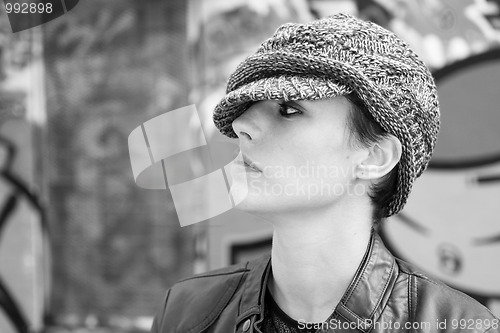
x=248 y=163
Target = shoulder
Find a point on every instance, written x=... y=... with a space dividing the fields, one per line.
x=435 y=302
x=195 y=302
x=216 y=284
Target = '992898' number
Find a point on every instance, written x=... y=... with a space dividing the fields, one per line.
x=28 y=8
x=477 y=324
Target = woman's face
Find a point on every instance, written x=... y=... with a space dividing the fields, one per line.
x=299 y=154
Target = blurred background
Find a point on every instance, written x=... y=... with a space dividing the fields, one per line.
x=84 y=249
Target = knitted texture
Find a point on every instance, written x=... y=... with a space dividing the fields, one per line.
x=335 y=56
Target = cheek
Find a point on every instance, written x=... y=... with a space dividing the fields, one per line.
x=319 y=160
x=320 y=147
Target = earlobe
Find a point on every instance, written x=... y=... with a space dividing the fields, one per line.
x=381 y=159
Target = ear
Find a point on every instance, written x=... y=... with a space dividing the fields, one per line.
x=382 y=157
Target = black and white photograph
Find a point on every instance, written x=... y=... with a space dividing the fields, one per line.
x=249 y=166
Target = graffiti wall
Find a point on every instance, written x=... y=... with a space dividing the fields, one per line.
x=24 y=248
x=71 y=91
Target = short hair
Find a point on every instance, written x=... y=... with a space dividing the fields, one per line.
x=365 y=130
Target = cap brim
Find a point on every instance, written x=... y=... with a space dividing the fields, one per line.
x=284 y=87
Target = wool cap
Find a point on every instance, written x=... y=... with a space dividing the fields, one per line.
x=339 y=55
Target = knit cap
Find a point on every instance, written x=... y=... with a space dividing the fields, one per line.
x=335 y=56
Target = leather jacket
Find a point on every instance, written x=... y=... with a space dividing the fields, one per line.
x=385 y=295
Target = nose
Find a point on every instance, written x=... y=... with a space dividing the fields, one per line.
x=252 y=123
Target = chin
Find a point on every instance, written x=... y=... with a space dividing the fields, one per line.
x=249 y=203
x=265 y=206
x=256 y=205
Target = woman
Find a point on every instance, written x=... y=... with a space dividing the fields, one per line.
x=335 y=120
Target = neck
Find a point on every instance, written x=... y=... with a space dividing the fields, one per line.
x=314 y=258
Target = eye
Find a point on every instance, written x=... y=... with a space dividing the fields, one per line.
x=287 y=110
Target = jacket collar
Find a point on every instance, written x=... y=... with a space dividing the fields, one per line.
x=363 y=300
